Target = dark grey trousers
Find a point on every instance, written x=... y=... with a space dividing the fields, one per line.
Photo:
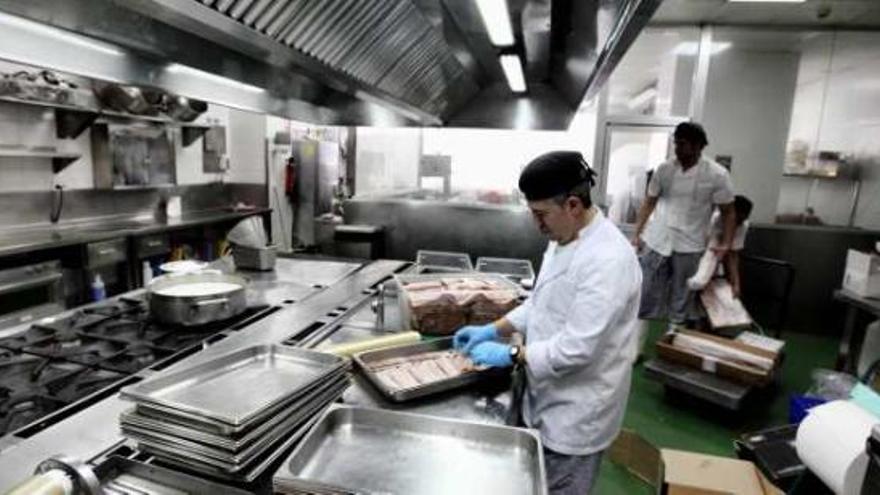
x=665 y=294
x=571 y=474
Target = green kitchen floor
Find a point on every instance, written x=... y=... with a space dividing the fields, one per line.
x=681 y=423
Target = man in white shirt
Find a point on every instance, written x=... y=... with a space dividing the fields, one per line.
x=580 y=325
x=673 y=226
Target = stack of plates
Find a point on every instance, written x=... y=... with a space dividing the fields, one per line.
x=234 y=415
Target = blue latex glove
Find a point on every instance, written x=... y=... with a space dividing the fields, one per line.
x=469 y=336
x=493 y=354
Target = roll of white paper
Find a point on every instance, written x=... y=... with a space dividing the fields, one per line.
x=831 y=443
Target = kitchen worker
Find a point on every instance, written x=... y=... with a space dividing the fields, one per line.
x=673 y=226
x=579 y=324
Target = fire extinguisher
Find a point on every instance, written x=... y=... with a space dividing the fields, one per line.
x=290 y=178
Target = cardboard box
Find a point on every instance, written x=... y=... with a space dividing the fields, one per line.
x=738 y=372
x=862 y=274
x=678 y=472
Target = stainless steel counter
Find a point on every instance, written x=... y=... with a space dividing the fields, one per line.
x=93 y=431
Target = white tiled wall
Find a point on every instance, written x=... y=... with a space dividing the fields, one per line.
x=837 y=108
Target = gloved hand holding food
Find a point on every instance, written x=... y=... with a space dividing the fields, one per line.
x=468 y=336
x=493 y=354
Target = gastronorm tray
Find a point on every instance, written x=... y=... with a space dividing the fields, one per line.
x=212 y=427
x=134 y=422
x=119 y=475
x=246 y=473
x=362 y=450
x=401 y=279
x=165 y=445
x=365 y=361
x=238 y=387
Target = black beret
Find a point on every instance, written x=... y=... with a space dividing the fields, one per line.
x=554 y=173
x=691 y=131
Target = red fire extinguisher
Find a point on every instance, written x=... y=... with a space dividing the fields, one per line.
x=290 y=178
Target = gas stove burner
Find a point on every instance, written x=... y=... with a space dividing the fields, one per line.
x=18 y=411
x=61 y=360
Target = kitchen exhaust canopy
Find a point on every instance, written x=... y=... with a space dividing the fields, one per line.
x=338 y=62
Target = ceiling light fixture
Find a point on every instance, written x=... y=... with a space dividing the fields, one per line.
x=175 y=68
x=496 y=18
x=691 y=48
x=513 y=72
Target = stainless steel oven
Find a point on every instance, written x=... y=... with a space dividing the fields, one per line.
x=30 y=292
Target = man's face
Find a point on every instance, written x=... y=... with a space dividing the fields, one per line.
x=686 y=151
x=558 y=222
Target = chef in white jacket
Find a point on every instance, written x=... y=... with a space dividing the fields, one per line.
x=579 y=324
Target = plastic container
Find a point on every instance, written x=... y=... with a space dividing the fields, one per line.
x=99 y=292
x=250 y=258
x=147 y=273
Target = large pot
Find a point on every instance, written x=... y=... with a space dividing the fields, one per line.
x=191 y=299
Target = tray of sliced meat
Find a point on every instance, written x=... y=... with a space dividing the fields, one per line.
x=440 y=304
x=411 y=371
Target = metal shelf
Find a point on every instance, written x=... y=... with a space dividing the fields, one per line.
x=72 y=120
x=60 y=161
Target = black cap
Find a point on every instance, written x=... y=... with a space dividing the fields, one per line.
x=554 y=173
x=691 y=131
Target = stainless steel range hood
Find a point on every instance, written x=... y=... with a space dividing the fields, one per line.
x=339 y=62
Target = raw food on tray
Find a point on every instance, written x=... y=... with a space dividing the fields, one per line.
x=440 y=307
x=403 y=373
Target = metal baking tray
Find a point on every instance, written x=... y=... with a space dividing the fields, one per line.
x=165 y=445
x=364 y=360
x=444 y=261
x=134 y=422
x=119 y=475
x=197 y=422
x=214 y=427
x=519 y=269
x=238 y=387
x=361 y=450
x=247 y=473
x=401 y=279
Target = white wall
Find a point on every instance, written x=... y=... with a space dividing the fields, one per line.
x=746 y=115
x=482 y=159
x=247 y=134
x=837 y=108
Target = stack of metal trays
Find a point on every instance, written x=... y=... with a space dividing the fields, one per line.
x=232 y=416
x=358 y=450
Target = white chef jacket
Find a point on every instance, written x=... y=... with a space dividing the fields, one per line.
x=680 y=222
x=580 y=327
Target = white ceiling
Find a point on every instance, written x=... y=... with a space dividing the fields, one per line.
x=840 y=13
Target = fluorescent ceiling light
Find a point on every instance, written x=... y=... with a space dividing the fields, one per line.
x=497 y=20
x=62 y=35
x=766 y=1
x=692 y=47
x=513 y=72
x=185 y=69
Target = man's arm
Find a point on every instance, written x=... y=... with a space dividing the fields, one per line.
x=728 y=219
x=644 y=214
x=731 y=264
